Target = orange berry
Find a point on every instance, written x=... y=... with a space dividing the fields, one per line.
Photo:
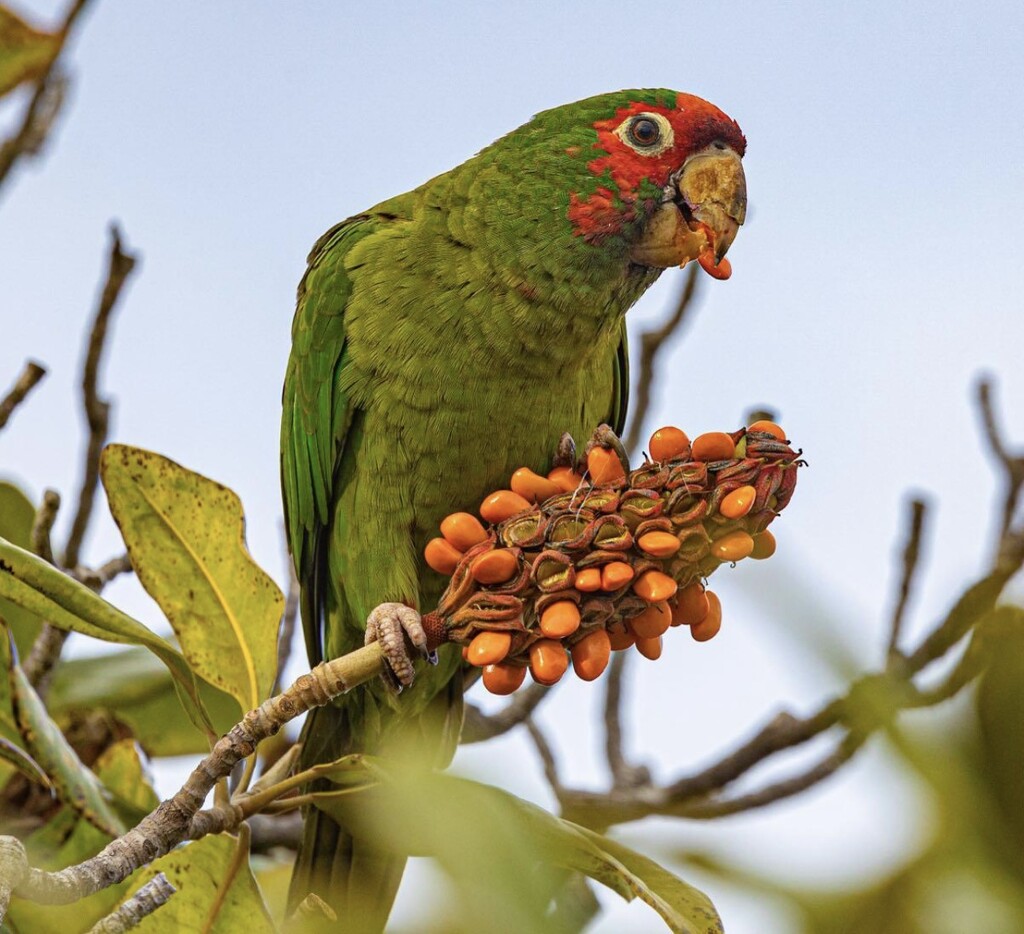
x=649 y=648
x=465 y=653
x=620 y=637
x=713 y=446
x=653 y=622
x=764 y=546
x=560 y=619
x=667 y=443
x=494 y=567
x=565 y=479
x=591 y=654
x=604 y=466
x=659 y=544
x=548 y=661
x=738 y=503
x=442 y=555
x=733 y=547
x=463 y=530
x=655 y=587
x=501 y=505
x=708 y=627
x=691 y=605
x=533 y=487
x=615 y=574
x=503 y=679
x=764 y=425
x=489 y=648
x=588 y=580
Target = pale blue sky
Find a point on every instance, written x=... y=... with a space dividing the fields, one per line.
x=878 y=273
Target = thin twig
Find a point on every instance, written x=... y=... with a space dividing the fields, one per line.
x=145 y=901
x=624 y=775
x=97 y=410
x=911 y=558
x=650 y=343
x=478 y=726
x=286 y=633
x=47 y=645
x=547 y=757
x=45 y=104
x=1012 y=465
x=24 y=384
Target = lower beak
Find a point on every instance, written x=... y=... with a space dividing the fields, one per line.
x=703 y=218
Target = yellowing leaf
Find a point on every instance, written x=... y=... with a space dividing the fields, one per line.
x=16 y=517
x=25 y=53
x=185 y=537
x=216 y=891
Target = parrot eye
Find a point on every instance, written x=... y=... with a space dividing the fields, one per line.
x=648 y=134
x=644 y=132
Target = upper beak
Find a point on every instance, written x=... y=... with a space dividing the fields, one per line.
x=705 y=205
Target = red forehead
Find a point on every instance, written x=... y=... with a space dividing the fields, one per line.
x=695 y=122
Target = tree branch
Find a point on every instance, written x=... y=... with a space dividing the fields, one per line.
x=478 y=726
x=25 y=383
x=154 y=894
x=624 y=775
x=97 y=410
x=911 y=558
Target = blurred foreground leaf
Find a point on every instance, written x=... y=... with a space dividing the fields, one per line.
x=38 y=587
x=501 y=851
x=25 y=53
x=132 y=686
x=186 y=539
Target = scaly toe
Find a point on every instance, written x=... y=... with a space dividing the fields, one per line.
x=389 y=624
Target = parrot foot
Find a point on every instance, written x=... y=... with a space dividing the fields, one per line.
x=389 y=624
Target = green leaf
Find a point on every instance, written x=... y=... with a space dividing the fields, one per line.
x=131 y=686
x=498 y=849
x=216 y=889
x=186 y=539
x=25 y=53
x=16 y=517
x=37 y=586
x=22 y=761
x=73 y=782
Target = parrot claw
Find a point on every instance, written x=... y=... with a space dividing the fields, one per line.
x=390 y=624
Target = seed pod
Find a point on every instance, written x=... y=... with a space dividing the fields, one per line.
x=504 y=679
x=691 y=605
x=655 y=587
x=462 y=530
x=494 y=567
x=649 y=648
x=737 y=503
x=588 y=580
x=548 y=661
x=769 y=427
x=591 y=654
x=616 y=574
x=733 y=547
x=713 y=446
x=502 y=505
x=533 y=487
x=667 y=443
x=560 y=619
x=661 y=544
x=653 y=622
x=489 y=647
x=565 y=479
x=620 y=636
x=764 y=545
x=708 y=627
x=442 y=556
x=604 y=466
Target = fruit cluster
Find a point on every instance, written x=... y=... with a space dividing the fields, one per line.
x=584 y=562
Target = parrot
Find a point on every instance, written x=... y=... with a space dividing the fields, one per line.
x=442 y=339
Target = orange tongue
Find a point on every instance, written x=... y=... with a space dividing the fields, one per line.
x=707 y=262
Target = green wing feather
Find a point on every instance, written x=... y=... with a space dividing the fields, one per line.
x=620 y=384
x=317 y=413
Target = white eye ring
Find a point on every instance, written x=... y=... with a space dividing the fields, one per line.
x=661 y=140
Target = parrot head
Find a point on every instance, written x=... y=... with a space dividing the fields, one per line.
x=644 y=179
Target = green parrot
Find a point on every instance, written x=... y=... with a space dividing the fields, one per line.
x=443 y=339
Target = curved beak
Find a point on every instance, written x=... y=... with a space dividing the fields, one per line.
x=705 y=203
